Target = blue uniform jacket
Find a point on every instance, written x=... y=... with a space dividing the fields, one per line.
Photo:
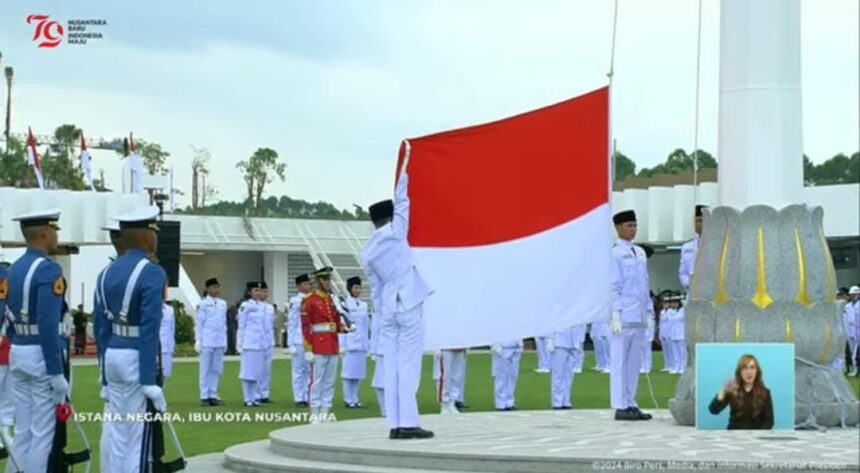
x=46 y=301
x=144 y=310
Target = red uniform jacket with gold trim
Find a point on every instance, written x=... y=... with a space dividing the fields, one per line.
x=320 y=324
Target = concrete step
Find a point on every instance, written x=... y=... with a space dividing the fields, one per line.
x=257 y=457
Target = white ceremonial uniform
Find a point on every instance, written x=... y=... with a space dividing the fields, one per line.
x=251 y=340
x=543 y=356
x=400 y=291
x=665 y=335
x=506 y=368
x=630 y=298
x=688 y=262
x=378 y=381
x=299 y=366
x=563 y=365
x=579 y=349
x=354 y=345
x=268 y=352
x=851 y=324
x=600 y=337
x=210 y=329
x=167 y=337
x=679 y=346
x=648 y=345
x=447 y=372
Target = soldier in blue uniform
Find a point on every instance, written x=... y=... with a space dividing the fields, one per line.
x=102 y=332
x=133 y=298
x=35 y=298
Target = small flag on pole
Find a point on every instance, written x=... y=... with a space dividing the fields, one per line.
x=33 y=158
x=86 y=163
x=171 y=202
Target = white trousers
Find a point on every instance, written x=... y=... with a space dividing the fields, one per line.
x=562 y=364
x=647 y=351
x=402 y=342
x=105 y=458
x=323 y=377
x=449 y=372
x=211 y=367
x=506 y=369
x=35 y=412
x=542 y=353
x=378 y=382
x=668 y=354
x=625 y=358
x=601 y=352
x=166 y=364
x=7 y=396
x=300 y=374
x=126 y=396
x=679 y=350
x=578 y=358
x=266 y=374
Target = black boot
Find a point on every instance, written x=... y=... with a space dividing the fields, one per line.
x=414 y=433
x=625 y=414
x=394 y=433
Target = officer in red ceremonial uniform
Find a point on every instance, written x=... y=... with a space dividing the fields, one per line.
x=320 y=325
x=7 y=406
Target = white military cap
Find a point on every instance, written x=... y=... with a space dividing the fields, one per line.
x=111 y=226
x=40 y=218
x=146 y=217
x=854 y=290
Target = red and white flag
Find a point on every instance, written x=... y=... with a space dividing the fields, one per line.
x=510 y=223
x=86 y=163
x=33 y=158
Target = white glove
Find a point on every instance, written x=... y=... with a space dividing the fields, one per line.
x=292 y=350
x=156 y=395
x=351 y=328
x=309 y=356
x=615 y=322
x=104 y=393
x=239 y=349
x=497 y=349
x=197 y=346
x=341 y=350
x=550 y=345
x=372 y=356
x=60 y=388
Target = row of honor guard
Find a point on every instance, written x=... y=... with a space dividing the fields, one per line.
x=129 y=325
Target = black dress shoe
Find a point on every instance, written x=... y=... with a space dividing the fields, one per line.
x=414 y=433
x=625 y=414
x=302 y=404
x=642 y=415
x=567 y=408
x=460 y=405
x=358 y=405
x=206 y=402
x=512 y=408
x=215 y=402
x=394 y=433
x=265 y=400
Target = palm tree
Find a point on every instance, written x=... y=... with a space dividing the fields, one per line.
x=67 y=136
x=9 y=74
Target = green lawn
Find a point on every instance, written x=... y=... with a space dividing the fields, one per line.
x=590 y=390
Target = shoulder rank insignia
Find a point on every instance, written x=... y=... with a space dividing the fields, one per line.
x=60 y=286
x=4 y=288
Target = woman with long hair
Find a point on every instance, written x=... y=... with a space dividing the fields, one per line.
x=750 y=400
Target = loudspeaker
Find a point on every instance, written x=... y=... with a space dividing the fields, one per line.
x=168 y=250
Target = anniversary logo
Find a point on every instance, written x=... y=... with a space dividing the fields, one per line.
x=49 y=33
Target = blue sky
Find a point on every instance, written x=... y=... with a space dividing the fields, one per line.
x=334 y=85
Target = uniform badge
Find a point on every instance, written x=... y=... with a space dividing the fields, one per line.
x=4 y=288
x=59 y=286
